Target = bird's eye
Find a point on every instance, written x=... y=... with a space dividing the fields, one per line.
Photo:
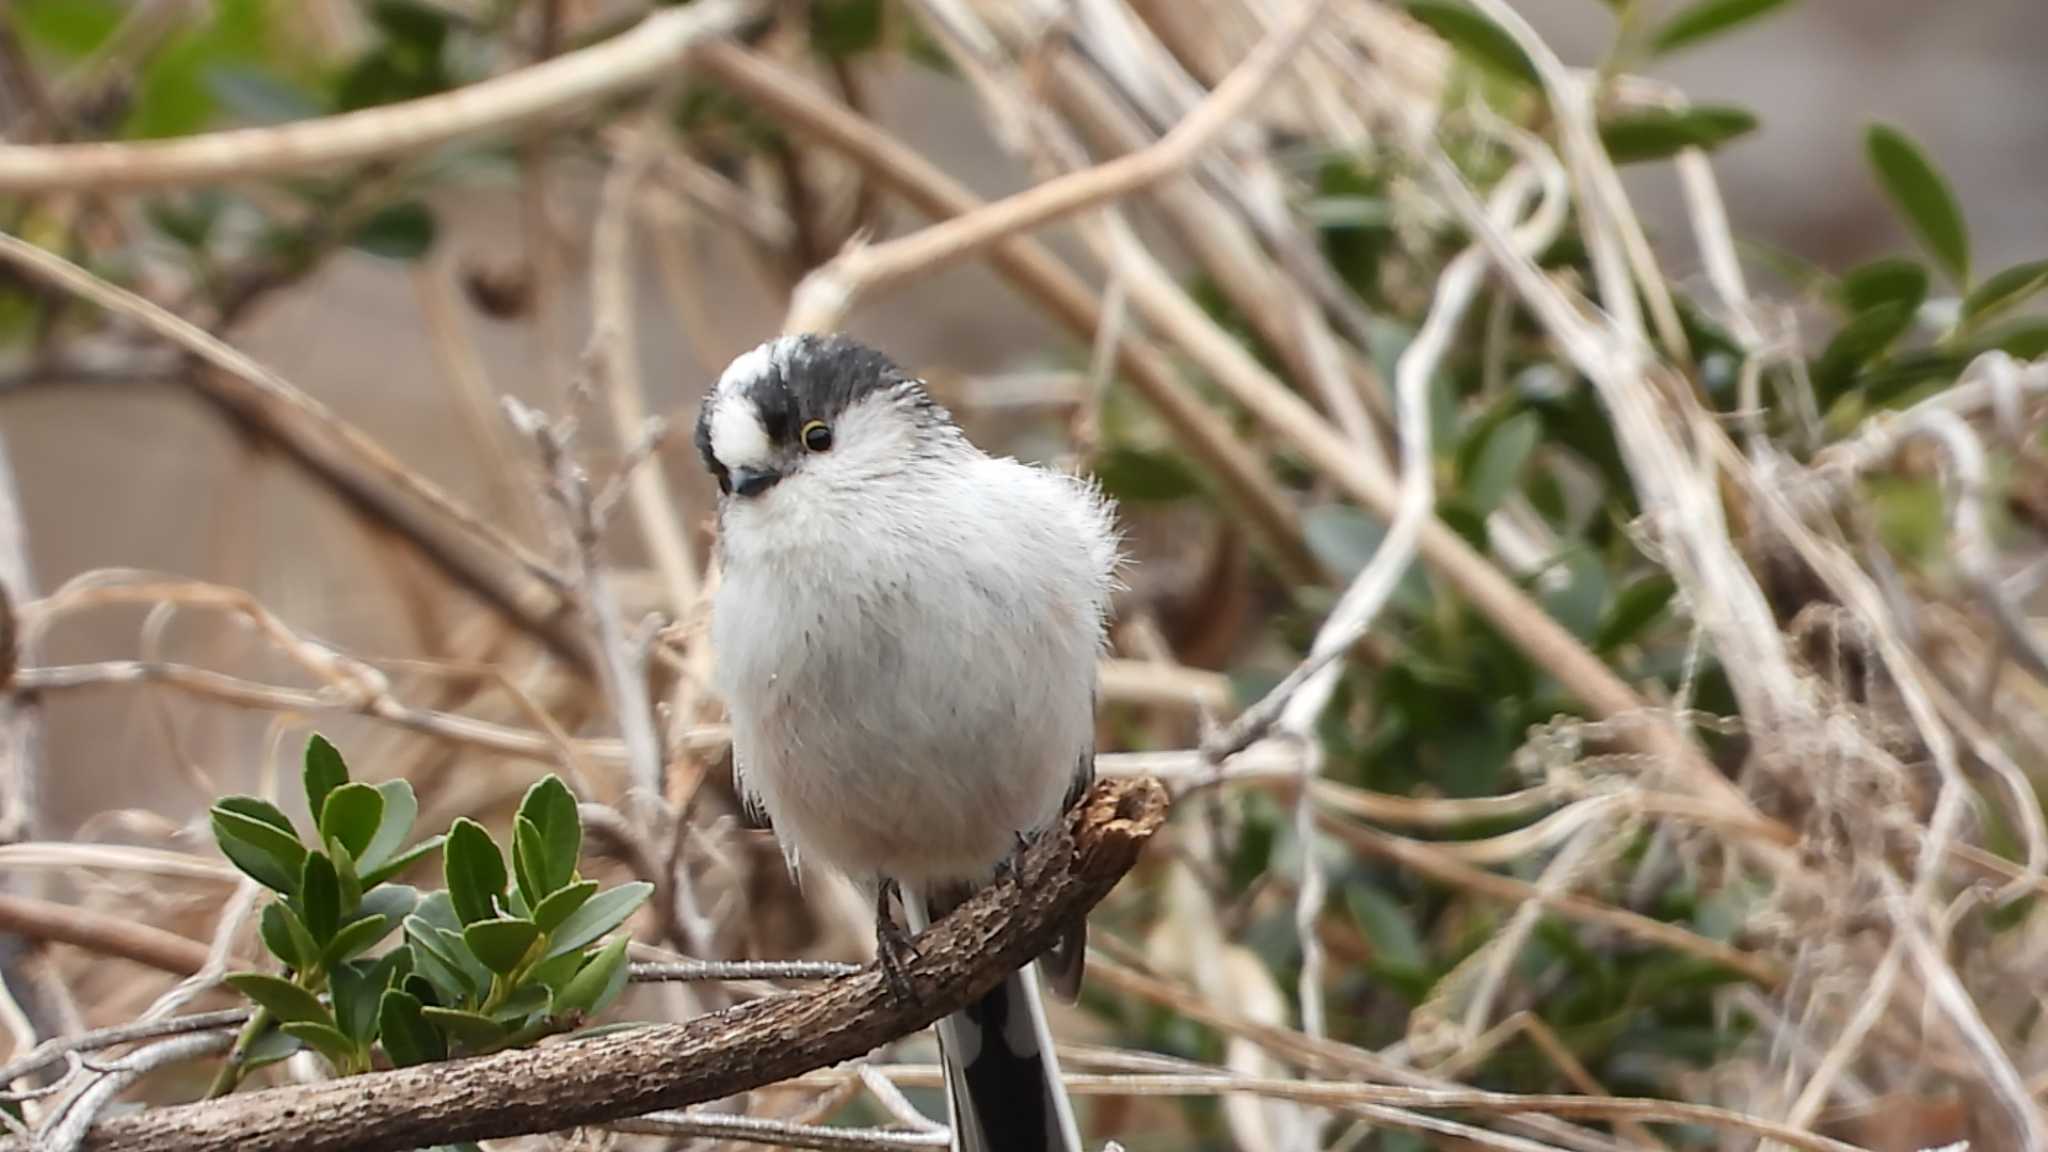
x=817 y=435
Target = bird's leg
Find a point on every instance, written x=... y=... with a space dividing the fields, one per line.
x=894 y=945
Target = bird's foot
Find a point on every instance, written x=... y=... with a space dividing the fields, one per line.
x=1009 y=869
x=895 y=947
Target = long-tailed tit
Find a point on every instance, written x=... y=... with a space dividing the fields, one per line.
x=907 y=632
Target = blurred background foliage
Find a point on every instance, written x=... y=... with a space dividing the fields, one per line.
x=1437 y=702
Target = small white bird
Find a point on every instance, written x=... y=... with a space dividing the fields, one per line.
x=907 y=633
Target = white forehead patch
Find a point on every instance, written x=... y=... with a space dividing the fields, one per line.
x=737 y=438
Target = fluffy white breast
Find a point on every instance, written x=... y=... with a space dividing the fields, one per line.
x=907 y=644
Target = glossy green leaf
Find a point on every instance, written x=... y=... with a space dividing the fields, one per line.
x=1639 y=603
x=556 y=908
x=406 y=859
x=2021 y=339
x=357 y=937
x=552 y=808
x=599 y=915
x=286 y=936
x=474 y=870
x=1889 y=280
x=350 y=815
x=1707 y=19
x=471 y=1029
x=394 y=900
x=516 y=1008
x=400 y=810
x=556 y=971
x=529 y=863
x=1658 y=134
x=323 y=771
x=596 y=985
x=320 y=898
x=355 y=996
x=407 y=1037
x=324 y=1039
x=2003 y=290
x=349 y=884
x=404 y=231
x=501 y=943
x=1476 y=38
x=433 y=960
x=271 y=857
x=279 y=996
x=1923 y=198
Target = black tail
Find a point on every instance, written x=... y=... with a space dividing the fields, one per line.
x=1002 y=1078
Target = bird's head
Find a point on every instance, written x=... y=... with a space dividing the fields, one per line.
x=814 y=412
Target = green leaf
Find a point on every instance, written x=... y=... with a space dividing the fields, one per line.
x=1476 y=38
x=433 y=960
x=320 y=897
x=1138 y=476
x=474 y=870
x=470 y=1029
x=401 y=808
x=355 y=1002
x=596 y=985
x=502 y=943
x=351 y=885
x=1860 y=341
x=1498 y=460
x=1658 y=134
x=1397 y=945
x=1633 y=609
x=270 y=856
x=269 y=1048
x=394 y=900
x=1890 y=280
x=530 y=998
x=326 y=1040
x=403 y=860
x=282 y=998
x=1707 y=19
x=2003 y=290
x=1577 y=604
x=286 y=936
x=408 y=1038
x=324 y=772
x=552 y=809
x=555 y=972
x=556 y=908
x=350 y=815
x=1923 y=198
x=601 y=914
x=256 y=95
x=2021 y=339
x=358 y=937
x=529 y=856
x=402 y=231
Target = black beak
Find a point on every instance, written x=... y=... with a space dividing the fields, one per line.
x=754 y=481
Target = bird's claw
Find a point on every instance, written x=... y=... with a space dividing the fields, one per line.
x=1009 y=870
x=895 y=947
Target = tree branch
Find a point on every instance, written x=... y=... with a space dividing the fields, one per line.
x=604 y=1078
x=634 y=59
